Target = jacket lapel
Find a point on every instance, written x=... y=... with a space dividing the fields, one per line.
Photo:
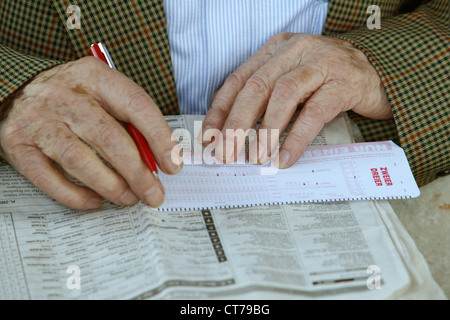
x=135 y=33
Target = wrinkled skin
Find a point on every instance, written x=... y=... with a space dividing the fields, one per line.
x=64 y=112
x=58 y=117
x=328 y=75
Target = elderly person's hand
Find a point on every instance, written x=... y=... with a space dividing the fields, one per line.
x=329 y=75
x=64 y=112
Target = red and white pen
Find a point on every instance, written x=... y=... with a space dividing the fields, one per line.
x=99 y=50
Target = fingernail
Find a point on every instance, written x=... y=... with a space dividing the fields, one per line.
x=172 y=165
x=128 y=198
x=262 y=154
x=252 y=157
x=284 y=159
x=228 y=156
x=154 y=197
x=206 y=129
x=211 y=136
x=94 y=203
x=202 y=134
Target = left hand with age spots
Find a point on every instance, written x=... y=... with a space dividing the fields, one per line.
x=328 y=75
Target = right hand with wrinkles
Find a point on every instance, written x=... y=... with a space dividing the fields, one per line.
x=63 y=112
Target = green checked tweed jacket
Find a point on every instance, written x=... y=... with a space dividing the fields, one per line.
x=410 y=53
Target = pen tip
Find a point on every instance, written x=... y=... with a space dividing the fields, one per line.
x=156 y=175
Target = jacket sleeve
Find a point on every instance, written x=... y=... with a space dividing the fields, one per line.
x=411 y=55
x=16 y=69
x=32 y=39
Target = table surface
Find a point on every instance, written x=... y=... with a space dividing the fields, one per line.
x=427 y=220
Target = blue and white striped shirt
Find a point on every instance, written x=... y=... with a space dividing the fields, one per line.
x=209 y=39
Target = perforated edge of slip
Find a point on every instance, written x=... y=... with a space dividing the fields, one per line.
x=279 y=203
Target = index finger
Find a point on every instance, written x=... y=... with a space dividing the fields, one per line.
x=321 y=108
x=226 y=96
x=128 y=102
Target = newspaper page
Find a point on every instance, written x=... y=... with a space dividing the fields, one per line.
x=333 y=250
